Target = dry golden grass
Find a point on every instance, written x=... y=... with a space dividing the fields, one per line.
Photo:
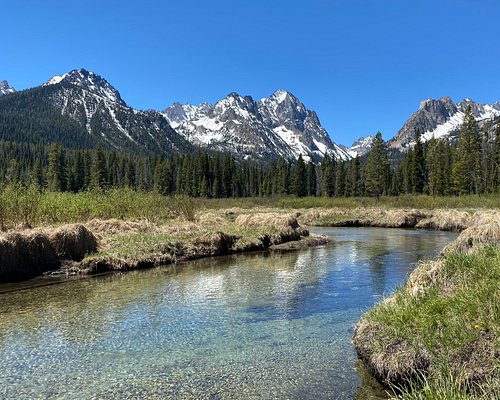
x=474 y=236
x=117 y=226
x=485 y=217
x=73 y=242
x=267 y=219
x=394 y=362
x=443 y=323
x=25 y=255
x=211 y=219
x=446 y=220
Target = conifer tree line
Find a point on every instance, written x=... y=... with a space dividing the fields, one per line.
x=470 y=165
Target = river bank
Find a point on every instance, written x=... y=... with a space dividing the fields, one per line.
x=99 y=246
x=248 y=325
x=392 y=340
x=439 y=335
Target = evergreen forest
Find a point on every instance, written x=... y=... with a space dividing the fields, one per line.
x=439 y=167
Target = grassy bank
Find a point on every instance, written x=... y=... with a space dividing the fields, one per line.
x=27 y=207
x=131 y=245
x=438 y=337
x=118 y=245
x=385 y=202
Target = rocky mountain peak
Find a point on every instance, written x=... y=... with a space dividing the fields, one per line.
x=280 y=96
x=89 y=81
x=361 y=146
x=5 y=88
x=276 y=126
x=440 y=107
x=477 y=109
x=441 y=118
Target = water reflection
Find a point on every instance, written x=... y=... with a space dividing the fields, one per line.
x=261 y=325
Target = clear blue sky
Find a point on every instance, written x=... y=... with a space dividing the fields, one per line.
x=362 y=65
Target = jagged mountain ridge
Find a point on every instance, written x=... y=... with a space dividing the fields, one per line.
x=441 y=118
x=277 y=126
x=85 y=109
x=97 y=116
x=5 y=88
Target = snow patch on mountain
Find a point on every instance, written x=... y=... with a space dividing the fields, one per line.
x=5 y=88
x=94 y=103
x=361 y=146
x=89 y=81
x=277 y=126
x=441 y=118
x=481 y=112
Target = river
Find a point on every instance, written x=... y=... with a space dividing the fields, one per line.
x=264 y=325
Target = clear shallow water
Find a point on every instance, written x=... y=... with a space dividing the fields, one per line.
x=254 y=326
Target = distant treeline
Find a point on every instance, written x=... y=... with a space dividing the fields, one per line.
x=470 y=165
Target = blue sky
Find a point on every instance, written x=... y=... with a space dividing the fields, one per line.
x=363 y=66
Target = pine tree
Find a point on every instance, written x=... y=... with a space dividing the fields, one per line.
x=163 y=178
x=340 y=179
x=433 y=172
x=328 y=176
x=496 y=160
x=282 y=177
x=396 y=181
x=37 y=175
x=13 y=173
x=377 y=168
x=417 y=165
x=466 y=172
x=354 y=179
x=299 y=180
x=56 y=169
x=98 y=172
x=227 y=176
x=311 y=179
x=130 y=180
x=78 y=172
x=406 y=172
x=485 y=164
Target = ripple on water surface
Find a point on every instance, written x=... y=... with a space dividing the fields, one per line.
x=255 y=326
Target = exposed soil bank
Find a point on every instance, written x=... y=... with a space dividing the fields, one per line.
x=443 y=326
x=444 y=220
x=31 y=253
x=129 y=245
x=125 y=245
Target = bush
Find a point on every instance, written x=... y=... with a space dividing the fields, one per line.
x=19 y=205
x=183 y=206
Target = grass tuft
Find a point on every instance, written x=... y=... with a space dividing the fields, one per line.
x=445 y=322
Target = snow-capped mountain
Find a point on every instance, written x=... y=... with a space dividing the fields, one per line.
x=90 y=82
x=90 y=100
x=361 y=146
x=5 y=88
x=441 y=118
x=277 y=126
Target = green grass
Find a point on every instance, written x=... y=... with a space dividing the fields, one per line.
x=455 y=318
x=20 y=206
x=28 y=207
x=169 y=237
x=447 y=388
x=404 y=201
x=137 y=246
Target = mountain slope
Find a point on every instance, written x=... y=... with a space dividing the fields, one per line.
x=81 y=109
x=277 y=126
x=442 y=119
